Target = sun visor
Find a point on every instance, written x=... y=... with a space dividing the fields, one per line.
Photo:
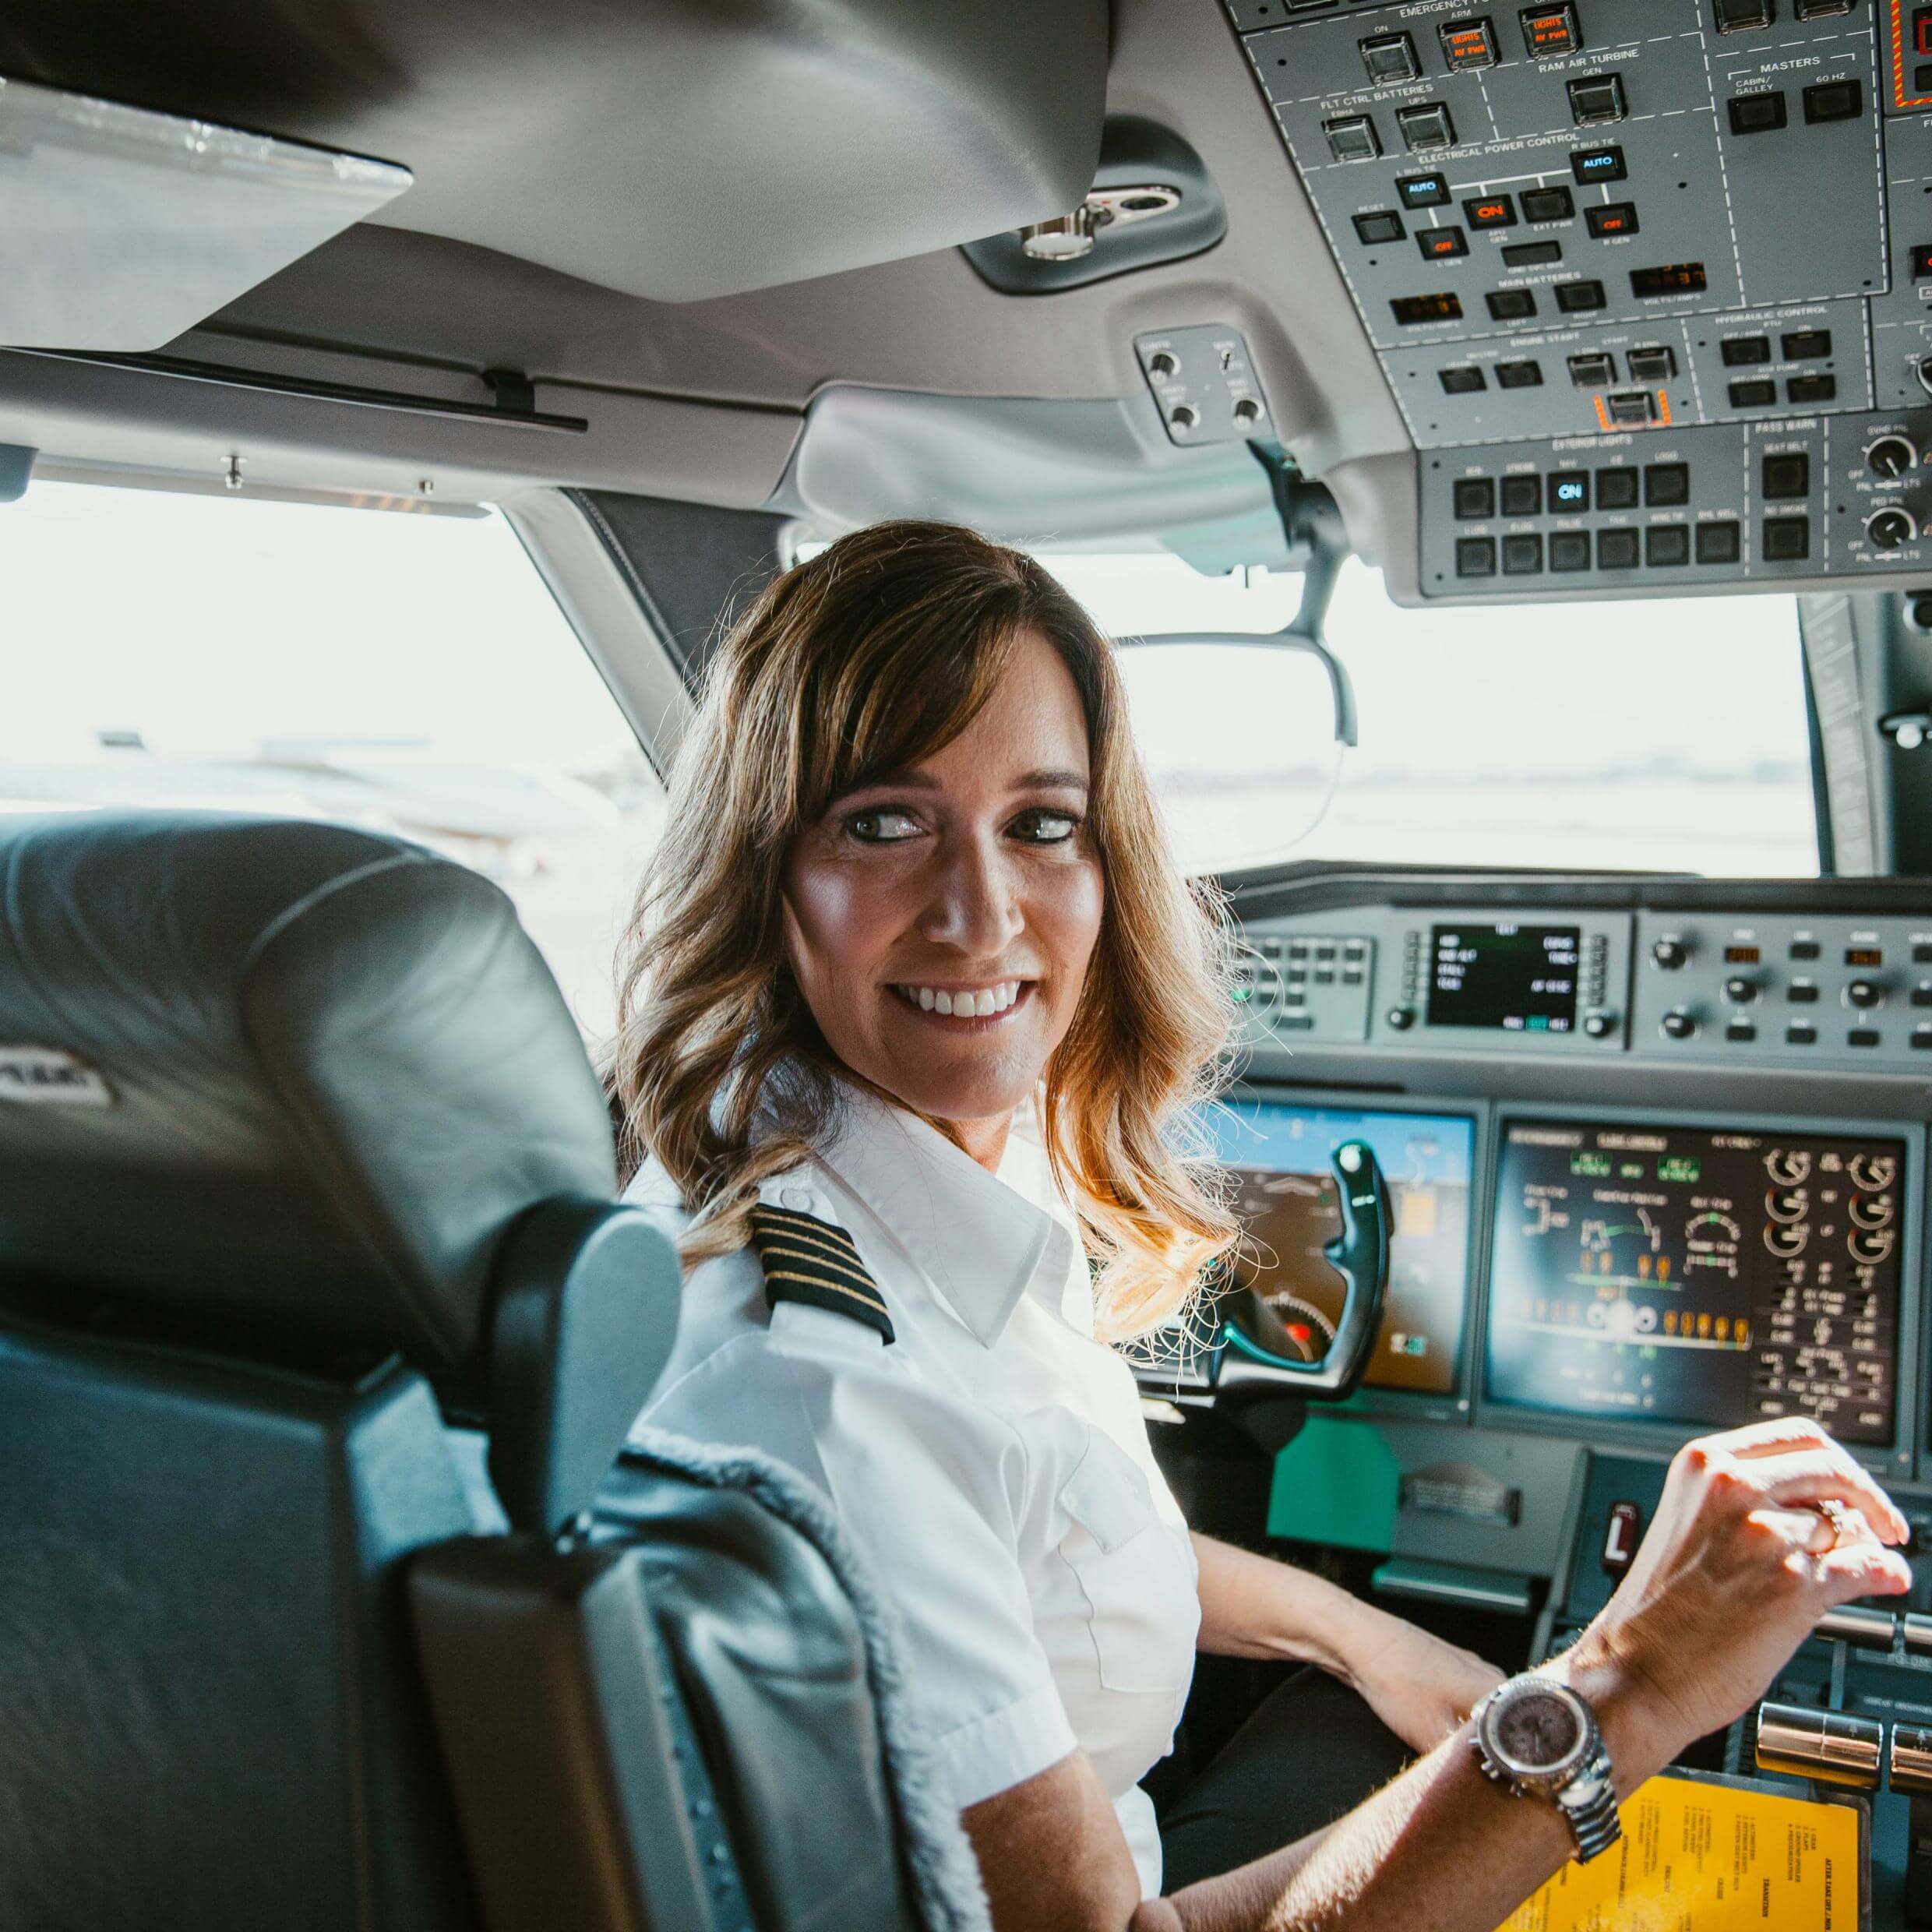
x=124 y=227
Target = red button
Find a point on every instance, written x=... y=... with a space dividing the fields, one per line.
x=1620 y=1539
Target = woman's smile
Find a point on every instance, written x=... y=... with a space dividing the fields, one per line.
x=965 y=1009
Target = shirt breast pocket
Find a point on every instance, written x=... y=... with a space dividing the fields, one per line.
x=1144 y=1609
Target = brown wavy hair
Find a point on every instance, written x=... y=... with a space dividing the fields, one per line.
x=873 y=654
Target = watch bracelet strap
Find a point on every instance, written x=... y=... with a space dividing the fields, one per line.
x=1594 y=1820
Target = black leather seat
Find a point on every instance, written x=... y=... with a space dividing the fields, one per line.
x=319 y=1333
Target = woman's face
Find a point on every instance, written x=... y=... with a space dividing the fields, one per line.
x=939 y=921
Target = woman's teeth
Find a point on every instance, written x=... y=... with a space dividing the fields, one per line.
x=975 y=1003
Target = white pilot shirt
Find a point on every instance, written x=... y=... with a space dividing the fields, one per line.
x=992 y=1464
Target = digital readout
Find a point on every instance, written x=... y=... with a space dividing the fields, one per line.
x=1410 y=309
x=1743 y=955
x=1864 y=956
x=1520 y=978
x=1675 y=278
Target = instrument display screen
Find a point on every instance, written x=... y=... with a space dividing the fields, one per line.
x=1520 y=978
x=1685 y=1274
x=1285 y=1196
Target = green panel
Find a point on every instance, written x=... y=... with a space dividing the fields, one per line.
x=1337 y=1482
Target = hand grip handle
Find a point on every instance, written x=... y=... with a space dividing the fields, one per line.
x=1360 y=1255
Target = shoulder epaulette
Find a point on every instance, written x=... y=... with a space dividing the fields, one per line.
x=816 y=1262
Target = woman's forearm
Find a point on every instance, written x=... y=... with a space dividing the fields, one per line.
x=1253 y=1606
x=1440 y=1846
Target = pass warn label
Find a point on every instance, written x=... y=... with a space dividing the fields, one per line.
x=1696 y=1856
x=50 y=1077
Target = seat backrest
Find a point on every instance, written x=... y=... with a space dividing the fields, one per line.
x=300 y=1156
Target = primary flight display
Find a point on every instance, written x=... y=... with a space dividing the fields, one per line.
x=1692 y=1274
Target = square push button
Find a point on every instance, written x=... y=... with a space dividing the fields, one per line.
x=1740 y=352
x=1440 y=245
x=1806 y=345
x=1422 y=191
x=1522 y=556
x=1547 y=204
x=1786 y=539
x=1577 y=298
x=1652 y=364
x=1476 y=496
x=1632 y=408
x=1616 y=550
x=1425 y=126
x=1463 y=380
x=1492 y=211
x=1569 y=492
x=1718 y=543
x=1666 y=485
x=1737 y=17
x=1549 y=31
x=1467 y=43
x=1591 y=164
x=1666 y=546
x=1570 y=550
x=1808 y=389
x=1475 y=556
x=1596 y=97
x=1531 y=254
x=1787 y=476
x=1352 y=137
x=1389 y=57
x=1511 y=304
x=1617 y=489
x=1754 y=395
x=1384 y=224
x=1757 y=114
x=1525 y=374
x=1522 y=496
x=1834 y=100
x=1611 y=218
x=1593 y=371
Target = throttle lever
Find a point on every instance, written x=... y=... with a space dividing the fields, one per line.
x=1360 y=1255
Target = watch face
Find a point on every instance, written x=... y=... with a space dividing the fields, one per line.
x=1536 y=1730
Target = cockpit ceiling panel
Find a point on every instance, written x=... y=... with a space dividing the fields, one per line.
x=671 y=149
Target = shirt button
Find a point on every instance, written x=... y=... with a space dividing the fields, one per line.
x=798 y=1199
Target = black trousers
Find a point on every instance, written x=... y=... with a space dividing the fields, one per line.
x=1312 y=1751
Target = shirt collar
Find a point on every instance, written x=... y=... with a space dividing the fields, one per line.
x=978 y=1236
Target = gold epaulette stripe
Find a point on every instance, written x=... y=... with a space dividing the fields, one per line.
x=834 y=1288
x=852 y=1275
x=843 y=1252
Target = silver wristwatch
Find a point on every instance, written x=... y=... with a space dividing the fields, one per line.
x=1537 y=1738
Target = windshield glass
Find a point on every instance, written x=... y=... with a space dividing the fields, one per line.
x=1666 y=735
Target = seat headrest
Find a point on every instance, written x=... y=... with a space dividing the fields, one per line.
x=294 y=1075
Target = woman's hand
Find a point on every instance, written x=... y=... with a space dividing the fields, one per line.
x=1738 y=1565
x=1421 y=1688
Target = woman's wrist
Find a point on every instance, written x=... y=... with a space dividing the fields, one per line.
x=1637 y=1726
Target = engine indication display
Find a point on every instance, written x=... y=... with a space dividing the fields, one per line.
x=1286 y=1198
x=1522 y=978
x=1693 y=1275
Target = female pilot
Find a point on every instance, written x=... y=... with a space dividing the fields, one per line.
x=916 y=1009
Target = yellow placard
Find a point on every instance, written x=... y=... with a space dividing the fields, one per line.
x=1701 y=1857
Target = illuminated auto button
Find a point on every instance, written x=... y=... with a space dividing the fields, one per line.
x=1591 y=164
x=1549 y=31
x=1389 y=57
x=1467 y=43
x=1422 y=191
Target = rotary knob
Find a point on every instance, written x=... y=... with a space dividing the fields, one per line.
x=1670 y=954
x=1401 y=1018
x=1739 y=991
x=1890 y=455
x=1864 y=993
x=1889 y=526
x=1677 y=1025
x=1600 y=1026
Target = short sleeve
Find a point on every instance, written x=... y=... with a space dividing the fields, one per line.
x=929 y=1491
